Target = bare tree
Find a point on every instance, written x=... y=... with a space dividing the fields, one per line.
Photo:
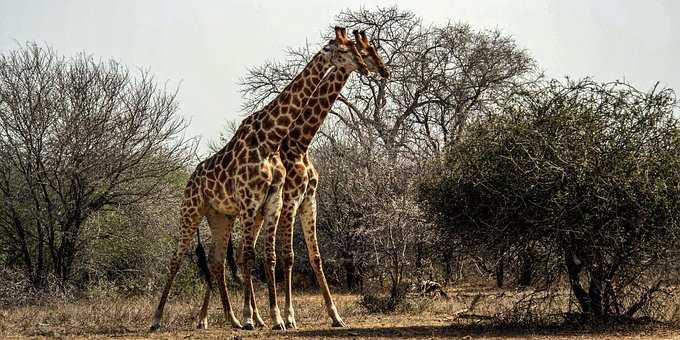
x=441 y=78
x=380 y=132
x=76 y=136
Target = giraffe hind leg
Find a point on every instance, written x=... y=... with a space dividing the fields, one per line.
x=189 y=225
x=251 y=222
x=220 y=228
x=272 y=212
x=308 y=221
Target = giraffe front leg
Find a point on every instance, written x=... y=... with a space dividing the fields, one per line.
x=203 y=314
x=256 y=312
x=308 y=221
x=285 y=228
x=271 y=212
x=251 y=222
x=220 y=227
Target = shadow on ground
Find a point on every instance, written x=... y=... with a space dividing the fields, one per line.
x=460 y=331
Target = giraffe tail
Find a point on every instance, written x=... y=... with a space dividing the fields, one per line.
x=202 y=261
x=231 y=261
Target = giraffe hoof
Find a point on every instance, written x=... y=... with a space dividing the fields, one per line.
x=338 y=323
x=279 y=327
x=249 y=327
x=202 y=325
x=155 y=327
x=291 y=325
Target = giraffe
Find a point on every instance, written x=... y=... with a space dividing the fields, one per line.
x=245 y=179
x=375 y=65
x=299 y=191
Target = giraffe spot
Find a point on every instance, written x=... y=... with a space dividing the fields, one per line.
x=297 y=86
x=283 y=120
x=324 y=103
x=313 y=120
x=251 y=140
x=306 y=130
x=241 y=157
x=222 y=177
x=323 y=88
x=294 y=134
x=252 y=171
x=281 y=131
x=316 y=260
x=284 y=97
x=267 y=123
x=261 y=136
x=254 y=155
x=296 y=102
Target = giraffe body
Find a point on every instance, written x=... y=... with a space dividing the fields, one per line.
x=299 y=192
x=245 y=180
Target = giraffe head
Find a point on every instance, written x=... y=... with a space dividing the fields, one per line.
x=344 y=52
x=370 y=54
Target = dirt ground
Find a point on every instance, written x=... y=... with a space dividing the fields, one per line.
x=428 y=318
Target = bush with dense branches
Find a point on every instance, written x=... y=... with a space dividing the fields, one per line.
x=587 y=175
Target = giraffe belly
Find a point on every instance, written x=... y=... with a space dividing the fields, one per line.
x=225 y=206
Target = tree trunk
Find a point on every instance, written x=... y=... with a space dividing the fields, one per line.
x=500 y=272
x=526 y=271
x=350 y=271
x=573 y=271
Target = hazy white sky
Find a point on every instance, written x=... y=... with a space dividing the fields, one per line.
x=205 y=47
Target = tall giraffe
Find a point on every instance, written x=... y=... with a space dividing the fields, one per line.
x=299 y=190
x=245 y=180
x=374 y=64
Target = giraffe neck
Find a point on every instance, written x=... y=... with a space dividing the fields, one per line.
x=319 y=104
x=272 y=123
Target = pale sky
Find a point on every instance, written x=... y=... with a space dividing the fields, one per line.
x=205 y=47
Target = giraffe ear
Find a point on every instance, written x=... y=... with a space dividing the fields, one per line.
x=338 y=34
x=364 y=38
x=357 y=38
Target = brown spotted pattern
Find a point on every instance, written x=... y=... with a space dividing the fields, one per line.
x=245 y=180
x=299 y=191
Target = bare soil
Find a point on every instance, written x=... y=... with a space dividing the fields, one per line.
x=426 y=318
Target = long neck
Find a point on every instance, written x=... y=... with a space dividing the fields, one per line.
x=272 y=123
x=319 y=104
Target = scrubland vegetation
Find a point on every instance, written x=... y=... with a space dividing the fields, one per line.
x=541 y=206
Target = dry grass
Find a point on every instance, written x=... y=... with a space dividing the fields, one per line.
x=420 y=318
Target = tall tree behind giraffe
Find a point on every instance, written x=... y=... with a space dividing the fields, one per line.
x=441 y=78
x=245 y=179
